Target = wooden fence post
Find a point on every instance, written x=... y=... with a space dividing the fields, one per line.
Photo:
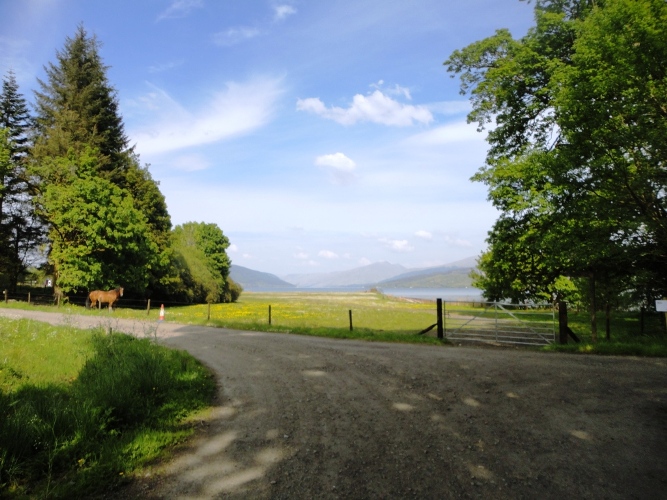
x=350 y=313
x=269 y=315
x=209 y=312
x=148 y=307
x=441 y=331
x=28 y=298
x=562 y=322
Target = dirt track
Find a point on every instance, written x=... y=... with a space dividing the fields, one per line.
x=304 y=417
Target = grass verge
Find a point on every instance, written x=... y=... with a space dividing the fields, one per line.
x=80 y=411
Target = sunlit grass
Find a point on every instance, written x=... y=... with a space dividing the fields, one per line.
x=81 y=411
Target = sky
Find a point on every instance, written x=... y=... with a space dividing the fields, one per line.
x=320 y=136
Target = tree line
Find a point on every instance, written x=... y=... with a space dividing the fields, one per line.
x=76 y=203
x=576 y=112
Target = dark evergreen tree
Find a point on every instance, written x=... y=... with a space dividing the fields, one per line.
x=20 y=232
x=77 y=108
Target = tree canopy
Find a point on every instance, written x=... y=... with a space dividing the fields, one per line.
x=577 y=112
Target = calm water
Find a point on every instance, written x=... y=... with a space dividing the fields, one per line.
x=447 y=294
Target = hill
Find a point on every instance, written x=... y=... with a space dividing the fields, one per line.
x=250 y=279
x=445 y=277
x=360 y=276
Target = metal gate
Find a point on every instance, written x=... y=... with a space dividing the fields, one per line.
x=500 y=323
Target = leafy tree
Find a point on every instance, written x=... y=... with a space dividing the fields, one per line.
x=201 y=250
x=576 y=162
x=97 y=235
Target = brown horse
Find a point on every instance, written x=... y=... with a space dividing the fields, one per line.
x=99 y=297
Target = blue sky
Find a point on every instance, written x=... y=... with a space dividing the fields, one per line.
x=319 y=135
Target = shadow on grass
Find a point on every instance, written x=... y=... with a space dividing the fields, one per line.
x=127 y=404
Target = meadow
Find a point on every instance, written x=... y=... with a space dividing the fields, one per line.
x=380 y=317
x=81 y=410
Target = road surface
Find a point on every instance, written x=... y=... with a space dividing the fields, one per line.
x=306 y=417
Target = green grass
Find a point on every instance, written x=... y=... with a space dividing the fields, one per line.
x=81 y=411
x=626 y=339
x=379 y=317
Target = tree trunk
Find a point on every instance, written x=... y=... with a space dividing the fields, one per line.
x=607 y=323
x=594 y=325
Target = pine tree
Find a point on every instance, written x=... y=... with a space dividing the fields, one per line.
x=78 y=108
x=20 y=232
x=15 y=117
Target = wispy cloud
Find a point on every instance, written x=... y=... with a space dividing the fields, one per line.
x=159 y=68
x=237 y=109
x=400 y=246
x=327 y=254
x=281 y=12
x=236 y=35
x=424 y=235
x=446 y=134
x=376 y=107
x=340 y=167
x=180 y=8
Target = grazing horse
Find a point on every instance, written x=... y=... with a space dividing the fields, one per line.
x=101 y=297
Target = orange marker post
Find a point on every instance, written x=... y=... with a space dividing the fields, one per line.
x=162 y=312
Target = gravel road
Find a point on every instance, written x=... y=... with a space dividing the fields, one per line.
x=304 y=417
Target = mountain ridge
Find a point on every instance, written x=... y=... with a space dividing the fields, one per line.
x=379 y=274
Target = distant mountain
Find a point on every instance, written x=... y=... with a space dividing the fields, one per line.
x=361 y=276
x=380 y=274
x=250 y=279
x=436 y=277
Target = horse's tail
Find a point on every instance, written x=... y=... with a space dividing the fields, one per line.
x=88 y=301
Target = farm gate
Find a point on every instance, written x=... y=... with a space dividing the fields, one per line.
x=500 y=323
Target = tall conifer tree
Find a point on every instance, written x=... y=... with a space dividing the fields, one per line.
x=20 y=233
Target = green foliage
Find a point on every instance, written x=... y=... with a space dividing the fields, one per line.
x=78 y=108
x=20 y=232
x=576 y=163
x=201 y=257
x=97 y=235
x=63 y=435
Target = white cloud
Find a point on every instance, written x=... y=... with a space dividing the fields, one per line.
x=180 y=8
x=232 y=248
x=301 y=256
x=232 y=36
x=339 y=166
x=374 y=108
x=400 y=246
x=327 y=254
x=337 y=161
x=238 y=109
x=457 y=242
x=424 y=234
x=395 y=90
x=283 y=11
x=447 y=134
